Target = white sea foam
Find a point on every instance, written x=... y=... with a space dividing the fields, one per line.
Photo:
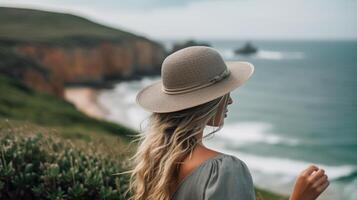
x=278 y=55
x=279 y=174
x=247 y=133
x=244 y=133
x=349 y=191
x=275 y=173
x=290 y=168
x=229 y=54
x=120 y=102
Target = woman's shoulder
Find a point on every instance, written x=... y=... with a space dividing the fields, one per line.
x=228 y=178
x=227 y=163
x=221 y=165
x=222 y=175
x=209 y=156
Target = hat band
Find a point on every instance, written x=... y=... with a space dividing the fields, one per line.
x=214 y=80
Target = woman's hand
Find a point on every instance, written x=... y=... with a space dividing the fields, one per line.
x=310 y=184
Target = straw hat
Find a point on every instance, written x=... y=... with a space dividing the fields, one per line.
x=190 y=77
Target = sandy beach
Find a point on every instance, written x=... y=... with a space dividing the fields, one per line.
x=85 y=100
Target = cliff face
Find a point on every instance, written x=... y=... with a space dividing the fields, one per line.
x=95 y=63
x=73 y=49
x=29 y=72
x=39 y=82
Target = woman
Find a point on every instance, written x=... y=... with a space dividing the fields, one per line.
x=171 y=161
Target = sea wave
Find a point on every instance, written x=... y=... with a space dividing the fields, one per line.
x=264 y=55
x=290 y=168
x=278 y=55
x=121 y=104
x=227 y=54
x=254 y=132
x=279 y=174
x=261 y=132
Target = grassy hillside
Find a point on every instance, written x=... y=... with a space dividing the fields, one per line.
x=18 y=24
x=19 y=102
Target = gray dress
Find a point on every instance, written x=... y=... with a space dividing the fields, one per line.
x=220 y=177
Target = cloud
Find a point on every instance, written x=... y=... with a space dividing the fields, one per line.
x=141 y=5
x=238 y=19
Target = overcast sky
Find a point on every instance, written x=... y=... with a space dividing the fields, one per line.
x=207 y=19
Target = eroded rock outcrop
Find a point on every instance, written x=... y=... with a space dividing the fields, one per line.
x=74 y=50
x=29 y=72
x=96 y=63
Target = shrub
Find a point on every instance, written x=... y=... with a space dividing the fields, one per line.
x=44 y=167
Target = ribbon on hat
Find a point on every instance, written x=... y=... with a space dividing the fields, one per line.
x=212 y=81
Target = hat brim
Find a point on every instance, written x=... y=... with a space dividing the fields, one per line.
x=153 y=99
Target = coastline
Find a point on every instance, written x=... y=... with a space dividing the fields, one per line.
x=85 y=100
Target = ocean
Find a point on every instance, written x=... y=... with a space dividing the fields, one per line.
x=298 y=108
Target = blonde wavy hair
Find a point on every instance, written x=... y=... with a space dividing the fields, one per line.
x=169 y=138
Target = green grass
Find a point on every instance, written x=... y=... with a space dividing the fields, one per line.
x=266 y=195
x=22 y=103
x=18 y=24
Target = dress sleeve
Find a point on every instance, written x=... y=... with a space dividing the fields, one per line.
x=229 y=179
